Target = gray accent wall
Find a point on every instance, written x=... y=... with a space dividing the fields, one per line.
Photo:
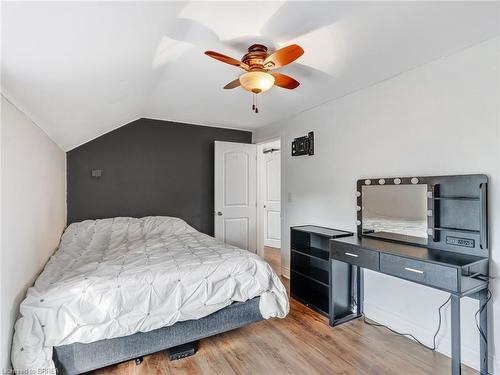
x=148 y=167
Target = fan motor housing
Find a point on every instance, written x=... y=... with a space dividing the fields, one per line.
x=255 y=56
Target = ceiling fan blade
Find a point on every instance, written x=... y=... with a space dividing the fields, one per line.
x=233 y=84
x=283 y=56
x=284 y=81
x=226 y=59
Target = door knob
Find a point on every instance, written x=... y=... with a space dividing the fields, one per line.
x=218 y=213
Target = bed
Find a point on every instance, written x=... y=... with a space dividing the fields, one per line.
x=119 y=288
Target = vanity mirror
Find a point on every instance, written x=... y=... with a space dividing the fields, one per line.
x=443 y=212
x=397 y=212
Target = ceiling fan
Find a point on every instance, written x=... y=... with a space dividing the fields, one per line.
x=258 y=64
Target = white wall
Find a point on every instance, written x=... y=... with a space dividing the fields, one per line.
x=441 y=118
x=33 y=204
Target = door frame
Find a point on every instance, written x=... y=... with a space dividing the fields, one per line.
x=260 y=187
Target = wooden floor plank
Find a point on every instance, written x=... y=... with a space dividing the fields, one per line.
x=302 y=343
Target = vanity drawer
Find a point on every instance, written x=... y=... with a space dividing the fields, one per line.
x=358 y=257
x=431 y=274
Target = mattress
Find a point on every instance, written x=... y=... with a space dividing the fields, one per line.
x=116 y=277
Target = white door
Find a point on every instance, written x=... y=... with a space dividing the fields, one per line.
x=235 y=200
x=272 y=204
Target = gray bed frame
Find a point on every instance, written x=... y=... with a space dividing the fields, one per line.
x=78 y=358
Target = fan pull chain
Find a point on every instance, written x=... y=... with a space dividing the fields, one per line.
x=254 y=103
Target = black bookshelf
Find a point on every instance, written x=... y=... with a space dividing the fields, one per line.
x=310 y=271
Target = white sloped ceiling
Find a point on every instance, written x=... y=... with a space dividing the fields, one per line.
x=81 y=69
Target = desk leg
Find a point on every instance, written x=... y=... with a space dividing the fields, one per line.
x=483 y=324
x=331 y=297
x=455 y=335
x=346 y=286
x=359 y=290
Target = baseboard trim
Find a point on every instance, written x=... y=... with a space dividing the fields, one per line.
x=285 y=272
x=470 y=355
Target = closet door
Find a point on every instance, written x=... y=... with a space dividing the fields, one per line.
x=271 y=198
x=235 y=197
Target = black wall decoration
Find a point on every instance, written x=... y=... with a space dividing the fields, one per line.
x=303 y=145
x=147 y=167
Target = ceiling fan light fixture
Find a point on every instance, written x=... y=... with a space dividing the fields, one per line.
x=257 y=62
x=257 y=81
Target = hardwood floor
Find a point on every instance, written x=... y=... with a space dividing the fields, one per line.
x=302 y=343
x=273 y=257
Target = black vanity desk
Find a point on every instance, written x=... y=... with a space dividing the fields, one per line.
x=452 y=272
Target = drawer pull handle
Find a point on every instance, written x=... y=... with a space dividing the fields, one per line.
x=414 y=270
x=352 y=255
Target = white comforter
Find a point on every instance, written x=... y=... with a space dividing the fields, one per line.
x=115 y=277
